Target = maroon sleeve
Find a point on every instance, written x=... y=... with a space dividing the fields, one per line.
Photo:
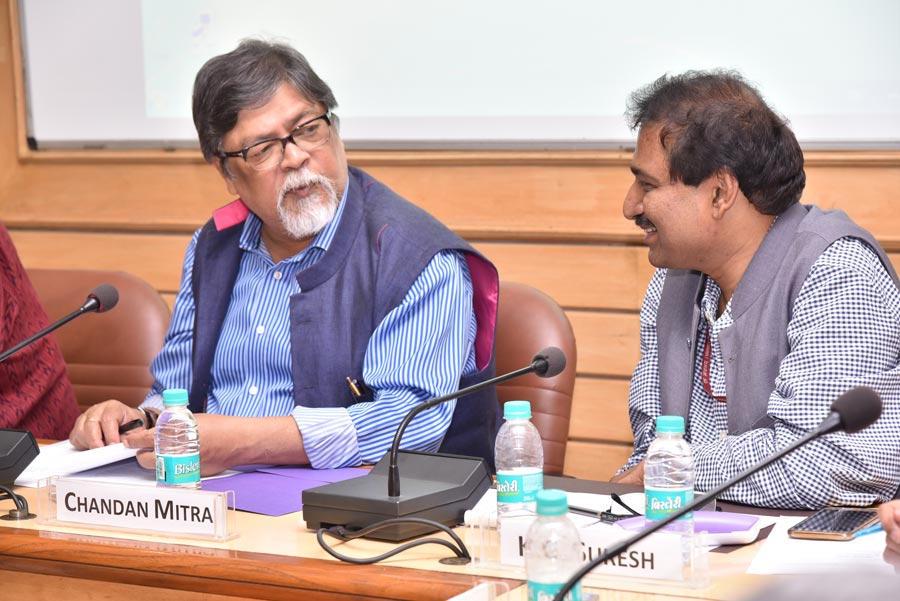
x=35 y=393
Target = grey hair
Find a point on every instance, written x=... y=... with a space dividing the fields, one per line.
x=247 y=78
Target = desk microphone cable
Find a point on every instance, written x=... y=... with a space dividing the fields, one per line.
x=21 y=511
x=345 y=535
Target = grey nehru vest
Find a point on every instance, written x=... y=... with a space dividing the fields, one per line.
x=761 y=308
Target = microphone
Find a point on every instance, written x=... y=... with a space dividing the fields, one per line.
x=439 y=487
x=18 y=448
x=101 y=299
x=856 y=409
x=546 y=364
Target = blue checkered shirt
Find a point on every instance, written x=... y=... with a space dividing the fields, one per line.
x=844 y=332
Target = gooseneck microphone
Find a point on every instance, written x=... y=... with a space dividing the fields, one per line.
x=547 y=363
x=102 y=298
x=437 y=486
x=851 y=412
x=18 y=448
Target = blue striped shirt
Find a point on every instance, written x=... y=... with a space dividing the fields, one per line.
x=420 y=349
x=844 y=332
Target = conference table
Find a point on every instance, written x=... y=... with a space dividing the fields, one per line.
x=278 y=558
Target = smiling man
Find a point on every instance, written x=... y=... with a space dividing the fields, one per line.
x=762 y=310
x=319 y=307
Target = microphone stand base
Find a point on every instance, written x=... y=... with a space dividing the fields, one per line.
x=433 y=486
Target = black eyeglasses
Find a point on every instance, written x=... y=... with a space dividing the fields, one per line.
x=267 y=154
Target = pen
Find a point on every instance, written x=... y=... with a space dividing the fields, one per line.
x=354 y=387
x=129 y=426
x=604 y=516
x=870 y=530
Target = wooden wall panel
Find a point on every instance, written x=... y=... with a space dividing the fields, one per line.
x=156 y=258
x=595 y=460
x=600 y=410
x=577 y=276
x=607 y=342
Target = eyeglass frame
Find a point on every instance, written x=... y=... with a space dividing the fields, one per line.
x=242 y=153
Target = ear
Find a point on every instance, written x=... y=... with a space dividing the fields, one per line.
x=230 y=182
x=725 y=191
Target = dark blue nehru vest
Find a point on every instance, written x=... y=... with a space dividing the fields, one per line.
x=381 y=246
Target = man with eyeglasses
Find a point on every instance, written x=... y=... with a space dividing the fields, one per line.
x=319 y=307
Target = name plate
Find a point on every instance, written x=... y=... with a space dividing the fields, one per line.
x=157 y=510
x=659 y=556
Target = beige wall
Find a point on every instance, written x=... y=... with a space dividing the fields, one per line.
x=549 y=219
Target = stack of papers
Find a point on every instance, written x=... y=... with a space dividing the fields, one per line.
x=62 y=459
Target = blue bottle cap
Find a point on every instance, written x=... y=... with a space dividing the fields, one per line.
x=175 y=396
x=670 y=423
x=551 y=501
x=517 y=410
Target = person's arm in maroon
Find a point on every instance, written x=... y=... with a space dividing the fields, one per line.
x=35 y=392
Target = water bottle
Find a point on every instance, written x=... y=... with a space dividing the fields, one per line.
x=669 y=478
x=552 y=548
x=519 y=456
x=177 y=443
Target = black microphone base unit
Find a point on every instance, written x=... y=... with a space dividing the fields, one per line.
x=18 y=448
x=436 y=487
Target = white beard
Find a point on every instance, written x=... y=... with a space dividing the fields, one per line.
x=306 y=218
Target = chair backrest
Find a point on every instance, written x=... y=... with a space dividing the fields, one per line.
x=107 y=355
x=528 y=321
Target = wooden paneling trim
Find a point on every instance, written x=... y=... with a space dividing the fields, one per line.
x=577 y=276
x=18 y=76
x=595 y=461
x=426 y=158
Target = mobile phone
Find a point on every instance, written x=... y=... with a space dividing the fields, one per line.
x=834 y=523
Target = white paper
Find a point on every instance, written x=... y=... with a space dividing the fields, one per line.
x=781 y=554
x=62 y=459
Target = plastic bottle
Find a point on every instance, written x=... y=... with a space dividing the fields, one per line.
x=177 y=443
x=519 y=456
x=553 y=550
x=669 y=478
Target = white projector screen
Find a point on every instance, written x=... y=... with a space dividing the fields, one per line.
x=462 y=74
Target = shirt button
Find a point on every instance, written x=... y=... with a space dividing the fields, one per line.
x=260 y=330
x=253 y=390
x=277 y=275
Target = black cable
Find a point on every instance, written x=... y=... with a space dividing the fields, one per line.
x=619 y=501
x=19 y=500
x=342 y=534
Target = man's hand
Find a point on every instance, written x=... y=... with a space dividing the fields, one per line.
x=890 y=520
x=99 y=425
x=634 y=475
x=227 y=441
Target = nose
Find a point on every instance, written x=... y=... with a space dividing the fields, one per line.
x=633 y=204
x=294 y=156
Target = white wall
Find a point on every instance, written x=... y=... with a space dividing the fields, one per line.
x=482 y=73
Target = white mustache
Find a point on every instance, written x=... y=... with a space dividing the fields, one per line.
x=301 y=178
x=306 y=217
